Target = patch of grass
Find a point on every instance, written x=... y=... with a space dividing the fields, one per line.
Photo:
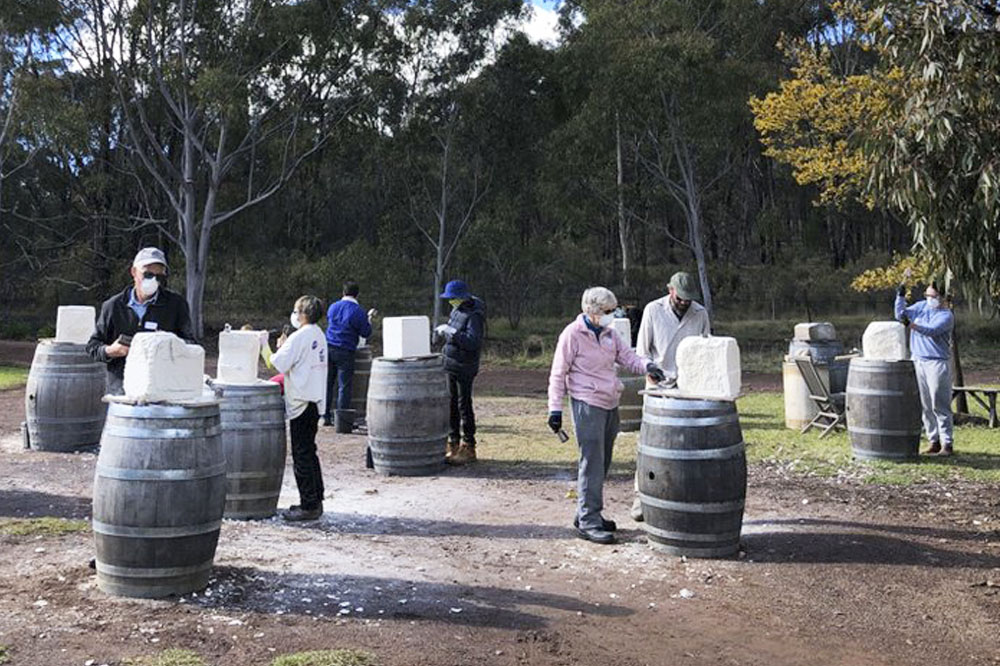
x=762 y=419
x=326 y=658
x=513 y=431
x=168 y=658
x=4 y=654
x=12 y=377
x=45 y=526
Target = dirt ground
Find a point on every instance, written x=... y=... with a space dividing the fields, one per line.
x=480 y=566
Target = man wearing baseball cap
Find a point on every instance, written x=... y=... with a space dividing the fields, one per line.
x=147 y=305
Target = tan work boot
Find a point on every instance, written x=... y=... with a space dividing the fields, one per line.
x=932 y=450
x=452 y=449
x=465 y=454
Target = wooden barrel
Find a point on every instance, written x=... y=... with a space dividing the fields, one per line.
x=359 y=385
x=408 y=415
x=63 y=398
x=883 y=410
x=630 y=406
x=253 y=440
x=692 y=475
x=159 y=493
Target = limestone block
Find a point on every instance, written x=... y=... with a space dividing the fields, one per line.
x=238 y=354
x=885 y=341
x=708 y=367
x=815 y=331
x=403 y=337
x=623 y=327
x=75 y=323
x=160 y=367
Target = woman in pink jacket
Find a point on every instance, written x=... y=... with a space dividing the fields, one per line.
x=584 y=366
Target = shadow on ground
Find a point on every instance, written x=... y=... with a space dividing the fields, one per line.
x=795 y=541
x=243 y=589
x=33 y=504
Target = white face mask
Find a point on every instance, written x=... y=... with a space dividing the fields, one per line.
x=149 y=287
x=294 y=319
x=606 y=320
x=933 y=303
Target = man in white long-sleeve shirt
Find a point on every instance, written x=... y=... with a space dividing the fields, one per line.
x=668 y=320
x=665 y=322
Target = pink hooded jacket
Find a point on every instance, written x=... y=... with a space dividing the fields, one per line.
x=586 y=367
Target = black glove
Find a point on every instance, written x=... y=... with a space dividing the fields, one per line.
x=655 y=373
x=904 y=320
x=901 y=290
x=555 y=421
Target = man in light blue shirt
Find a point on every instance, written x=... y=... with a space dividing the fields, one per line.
x=931 y=323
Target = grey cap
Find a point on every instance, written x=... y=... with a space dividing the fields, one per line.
x=686 y=286
x=149 y=255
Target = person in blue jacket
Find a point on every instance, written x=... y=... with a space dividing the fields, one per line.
x=931 y=323
x=463 y=343
x=346 y=323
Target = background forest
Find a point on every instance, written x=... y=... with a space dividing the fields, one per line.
x=275 y=148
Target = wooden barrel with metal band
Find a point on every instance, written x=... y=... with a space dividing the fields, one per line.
x=253 y=439
x=63 y=405
x=159 y=493
x=883 y=410
x=692 y=475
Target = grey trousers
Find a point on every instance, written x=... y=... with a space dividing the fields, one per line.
x=934 y=382
x=596 y=430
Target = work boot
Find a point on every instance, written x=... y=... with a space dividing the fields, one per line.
x=947 y=450
x=296 y=514
x=597 y=536
x=466 y=454
x=933 y=449
x=636 y=511
x=451 y=450
x=606 y=525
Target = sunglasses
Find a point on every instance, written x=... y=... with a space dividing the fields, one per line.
x=147 y=275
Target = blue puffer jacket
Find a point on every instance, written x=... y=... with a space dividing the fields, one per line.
x=463 y=347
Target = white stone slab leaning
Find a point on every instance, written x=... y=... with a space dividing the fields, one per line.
x=708 y=367
x=75 y=323
x=885 y=341
x=160 y=367
x=815 y=331
x=238 y=354
x=405 y=337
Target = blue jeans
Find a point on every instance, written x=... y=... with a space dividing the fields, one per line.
x=339 y=373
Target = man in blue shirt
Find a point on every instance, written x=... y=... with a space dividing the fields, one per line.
x=346 y=322
x=931 y=323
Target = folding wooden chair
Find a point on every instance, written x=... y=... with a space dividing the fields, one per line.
x=831 y=412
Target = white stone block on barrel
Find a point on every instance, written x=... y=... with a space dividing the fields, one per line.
x=623 y=327
x=708 y=367
x=160 y=367
x=75 y=323
x=406 y=337
x=815 y=331
x=238 y=354
x=884 y=341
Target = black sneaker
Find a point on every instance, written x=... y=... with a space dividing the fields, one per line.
x=597 y=536
x=296 y=514
x=606 y=525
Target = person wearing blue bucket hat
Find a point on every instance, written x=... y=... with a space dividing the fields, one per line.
x=463 y=342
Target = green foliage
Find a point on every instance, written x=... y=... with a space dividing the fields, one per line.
x=5 y=655
x=938 y=167
x=46 y=526
x=173 y=657
x=327 y=658
x=12 y=377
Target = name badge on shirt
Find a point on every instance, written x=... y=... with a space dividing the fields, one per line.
x=150 y=325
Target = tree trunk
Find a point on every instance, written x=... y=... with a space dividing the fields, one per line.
x=623 y=226
x=958 y=378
